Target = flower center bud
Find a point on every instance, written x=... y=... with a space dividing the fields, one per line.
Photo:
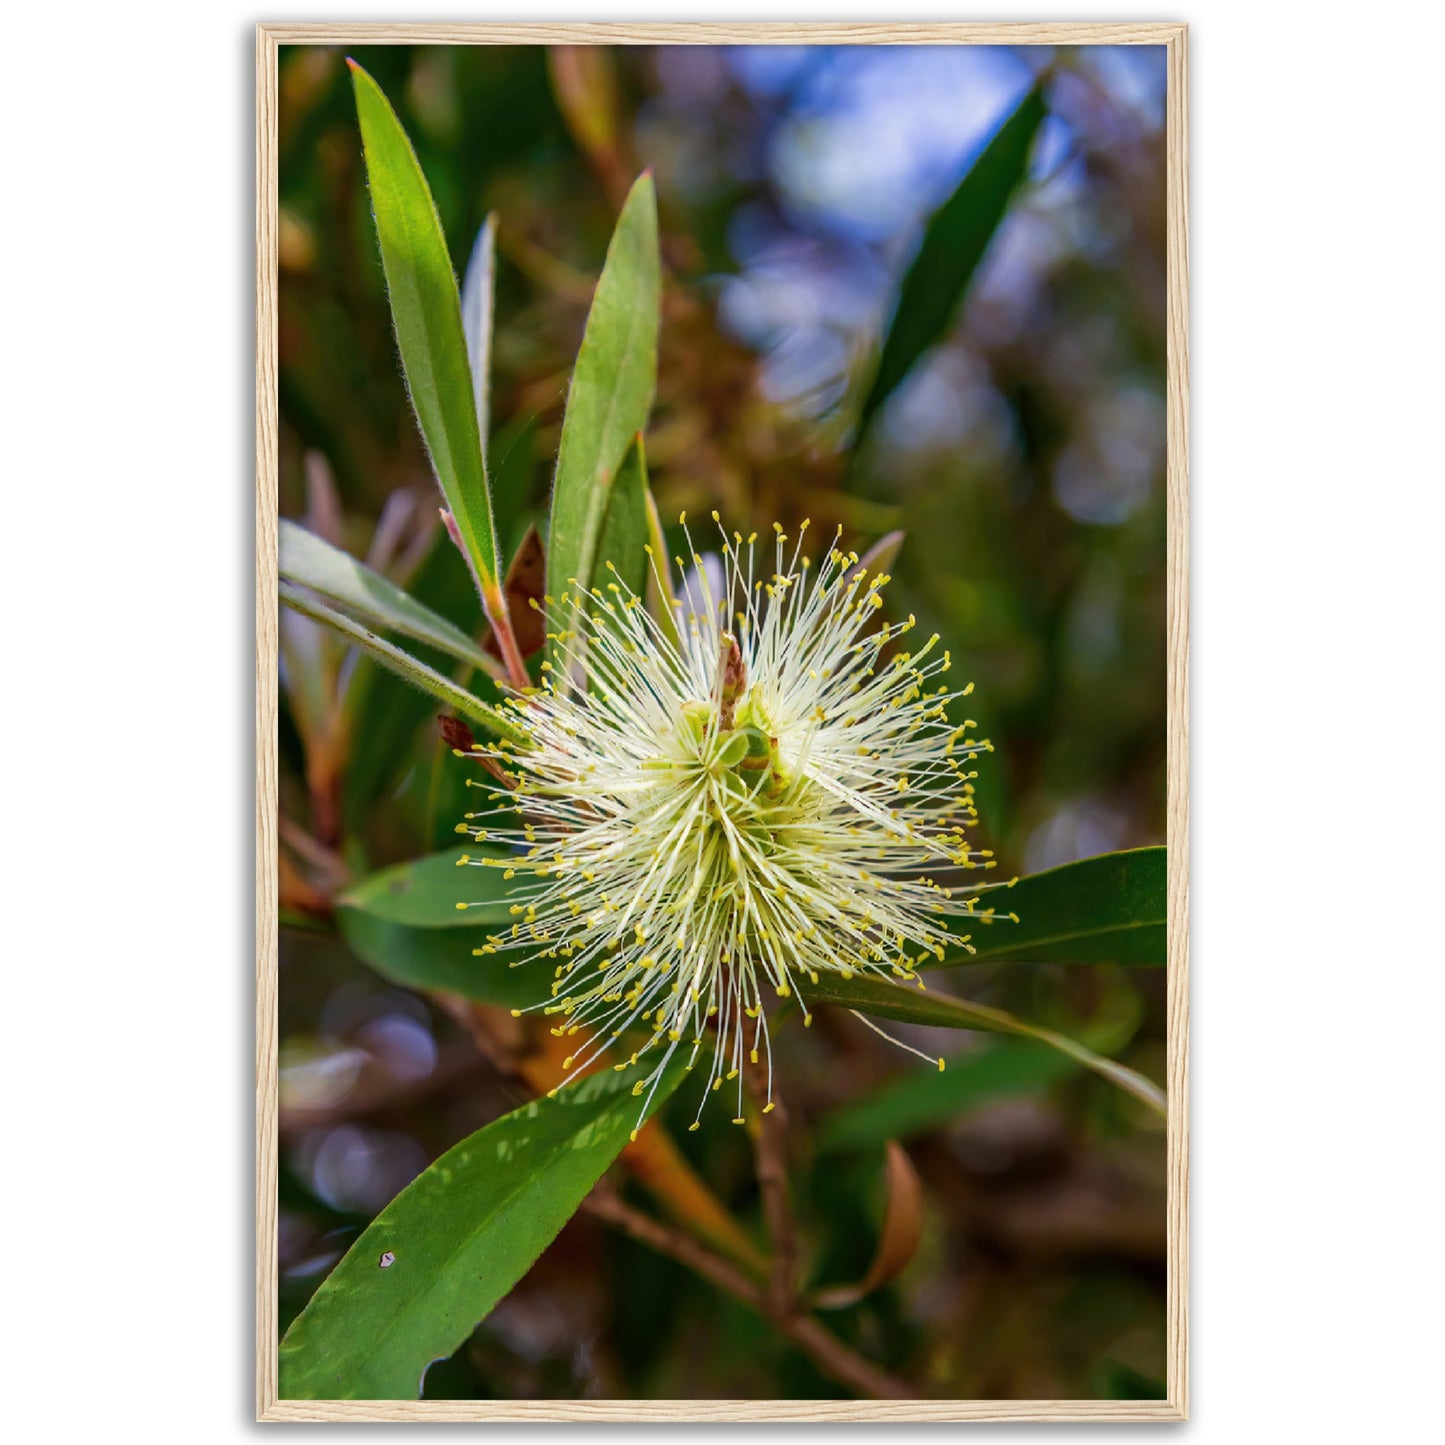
x=734 y=737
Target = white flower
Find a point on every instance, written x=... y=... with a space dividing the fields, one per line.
x=738 y=803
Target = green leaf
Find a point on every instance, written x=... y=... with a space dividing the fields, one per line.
x=918 y=1100
x=624 y=528
x=384 y=715
x=455 y=1241
x=611 y=391
x=402 y=663
x=922 y=1098
x=404 y=922
x=313 y=563
x=870 y=994
x=954 y=242
x=477 y=321
x=426 y=311
x=1108 y=909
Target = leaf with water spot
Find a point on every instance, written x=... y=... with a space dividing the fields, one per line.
x=458 y=1237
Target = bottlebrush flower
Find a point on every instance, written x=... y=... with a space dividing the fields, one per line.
x=746 y=795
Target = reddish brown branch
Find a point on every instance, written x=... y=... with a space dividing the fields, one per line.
x=770 y=1153
x=826 y=1350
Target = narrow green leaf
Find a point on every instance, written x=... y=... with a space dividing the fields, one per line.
x=477 y=287
x=919 y=1099
x=611 y=391
x=426 y=311
x=624 y=527
x=437 y=1259
x=954 y=242
x=313 y=563
x=383 y=714
x=867 y=993
x=404 y=922
x=1108 y=909
x=403 y=664
x=922 y=1098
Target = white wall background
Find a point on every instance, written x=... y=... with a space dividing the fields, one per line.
x=126 y=564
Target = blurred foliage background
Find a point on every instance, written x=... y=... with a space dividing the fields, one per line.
x=1024 y=458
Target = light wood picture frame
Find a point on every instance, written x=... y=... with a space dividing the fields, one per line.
x=1174 y=39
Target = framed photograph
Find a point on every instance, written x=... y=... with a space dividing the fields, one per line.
x=722 y=796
